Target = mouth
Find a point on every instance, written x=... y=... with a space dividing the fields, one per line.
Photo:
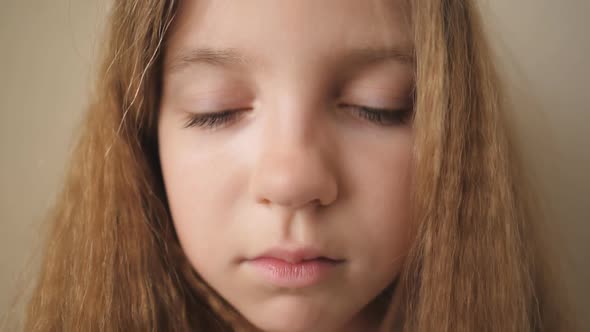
x=299 y=268
x=297 y=255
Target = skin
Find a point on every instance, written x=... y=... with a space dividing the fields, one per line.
x=297 y=166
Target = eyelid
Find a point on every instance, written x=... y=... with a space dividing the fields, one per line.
x=213 y=120
x=381 y=116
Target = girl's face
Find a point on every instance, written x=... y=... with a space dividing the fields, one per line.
x=285 y=149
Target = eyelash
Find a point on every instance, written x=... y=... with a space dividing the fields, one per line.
x=212 y=120
x=383 y=117
x=380 y=116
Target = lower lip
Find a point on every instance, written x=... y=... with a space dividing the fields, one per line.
x=293 y=275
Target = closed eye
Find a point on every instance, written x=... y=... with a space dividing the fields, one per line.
x=213 y=120
x=380 y=116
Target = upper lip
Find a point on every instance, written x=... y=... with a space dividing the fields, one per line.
x=295 y=255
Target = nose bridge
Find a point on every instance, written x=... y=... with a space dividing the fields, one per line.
x=293 y=169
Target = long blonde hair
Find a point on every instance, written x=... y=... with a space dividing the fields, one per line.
x=113 y=262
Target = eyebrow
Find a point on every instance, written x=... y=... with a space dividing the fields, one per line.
x=375 y=54
x=229 y=57
x=215 y=57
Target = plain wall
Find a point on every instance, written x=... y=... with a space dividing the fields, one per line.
x=46 y=61
x=47 y=52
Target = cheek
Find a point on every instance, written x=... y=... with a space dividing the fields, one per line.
x=382 y=189
x=203 y=187
x=388 y=208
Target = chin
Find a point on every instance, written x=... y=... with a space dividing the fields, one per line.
x=290 y=325
x=292 y=316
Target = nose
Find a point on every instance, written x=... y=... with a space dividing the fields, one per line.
x=294 y=173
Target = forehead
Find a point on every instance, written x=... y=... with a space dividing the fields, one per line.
x=271 y=30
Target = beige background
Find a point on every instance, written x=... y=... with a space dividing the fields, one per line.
x=46 y=58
